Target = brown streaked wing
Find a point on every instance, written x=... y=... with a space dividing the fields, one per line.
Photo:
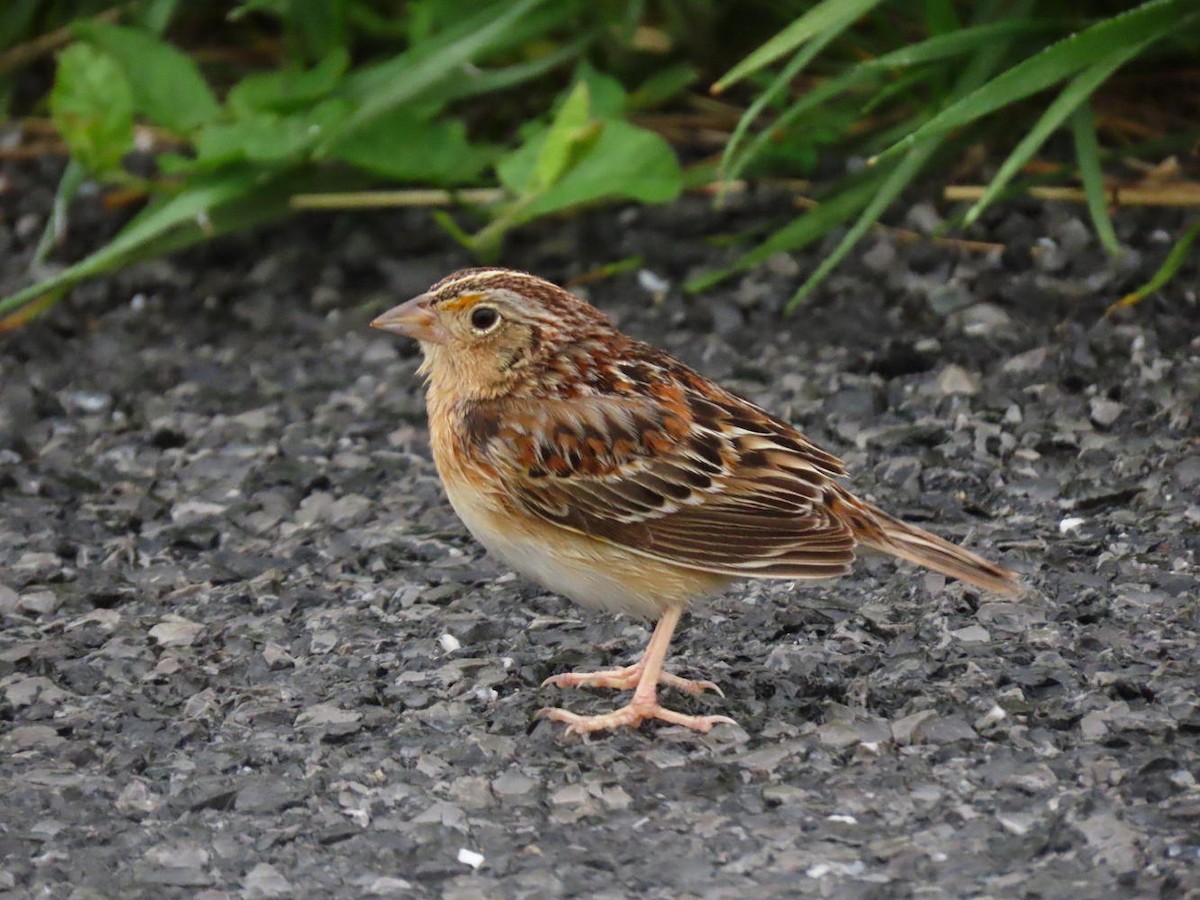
x=735 y=492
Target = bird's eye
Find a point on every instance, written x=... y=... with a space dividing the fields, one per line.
x=484 y=318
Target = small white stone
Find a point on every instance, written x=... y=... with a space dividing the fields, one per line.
x=450 y=643
x=470 y=858
x=1069 y=524
x=652 y=283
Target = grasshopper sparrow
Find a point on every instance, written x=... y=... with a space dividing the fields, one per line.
x=610 y=472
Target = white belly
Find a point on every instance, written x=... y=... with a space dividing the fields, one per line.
x=597 y=575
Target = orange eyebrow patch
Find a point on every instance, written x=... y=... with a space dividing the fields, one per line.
x=463 y=301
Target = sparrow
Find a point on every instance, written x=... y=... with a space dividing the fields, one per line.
x=609 y=472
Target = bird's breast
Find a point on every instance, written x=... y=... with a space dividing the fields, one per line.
x=587 y=570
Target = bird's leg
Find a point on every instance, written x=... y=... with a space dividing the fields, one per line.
x=644 y=704
x=626 y=678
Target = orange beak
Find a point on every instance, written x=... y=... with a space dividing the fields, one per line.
x=414 y=319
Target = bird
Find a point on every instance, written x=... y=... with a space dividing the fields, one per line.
x=610 y=472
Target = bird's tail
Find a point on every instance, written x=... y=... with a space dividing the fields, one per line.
x=876 y=529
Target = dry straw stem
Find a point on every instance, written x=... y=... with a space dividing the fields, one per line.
x=1185 y=193
x=480 y=196
x=907 y=236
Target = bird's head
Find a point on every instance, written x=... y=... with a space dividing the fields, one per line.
x=485 y=331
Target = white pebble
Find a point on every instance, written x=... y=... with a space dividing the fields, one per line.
x=450 y=643
x=1069 y=524
x=470 y=858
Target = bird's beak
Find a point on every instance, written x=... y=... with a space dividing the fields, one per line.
x=414 y=319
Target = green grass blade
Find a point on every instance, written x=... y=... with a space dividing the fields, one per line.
x=820 y=18
x=944 y=46
x=1148 y=22
x=977 y=72
x=932 y=50
x=487 y=81
x=1087 y=153
x=191 y=209
x=405 y=78
x=798 y=233
x=1165 y=272
x=898 y=179
x=729 y=169
x=1077 y=91
x=73 y=177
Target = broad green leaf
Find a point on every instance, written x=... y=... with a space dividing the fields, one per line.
x=269 y=138
x=404 y=146
x=91 y=105
x=1148 y=22
x=167 y=85
x=826 y=15
x=1077 y=91
x=563 y=138
x=625 y=162
x=606 y=96
x=1087 y=154
x=288 y=90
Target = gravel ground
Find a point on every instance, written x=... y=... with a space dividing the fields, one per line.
x=247 y=649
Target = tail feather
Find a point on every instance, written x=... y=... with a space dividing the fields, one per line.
x=880 y=531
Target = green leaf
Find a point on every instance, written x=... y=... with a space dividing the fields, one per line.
x=405 y=146
x=606 y=96
x=826 y=15
x=92 y=107
x=167 y=85
x=268 y=138
x=1077 y=91
x=624 y=162
x=1148 y=22
x=288 y=90
x=563 y=139
x=1087 y=153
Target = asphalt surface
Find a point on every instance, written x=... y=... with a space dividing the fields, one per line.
x=248 y=651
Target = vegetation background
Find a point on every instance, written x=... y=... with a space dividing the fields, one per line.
x=198 y=119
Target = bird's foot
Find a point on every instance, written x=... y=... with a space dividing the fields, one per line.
x=626 y=679
x=631 y=716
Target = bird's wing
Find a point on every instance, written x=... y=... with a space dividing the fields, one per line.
x=680 y=471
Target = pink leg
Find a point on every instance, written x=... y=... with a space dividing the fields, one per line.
x=627 y=677
x=644 y=704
